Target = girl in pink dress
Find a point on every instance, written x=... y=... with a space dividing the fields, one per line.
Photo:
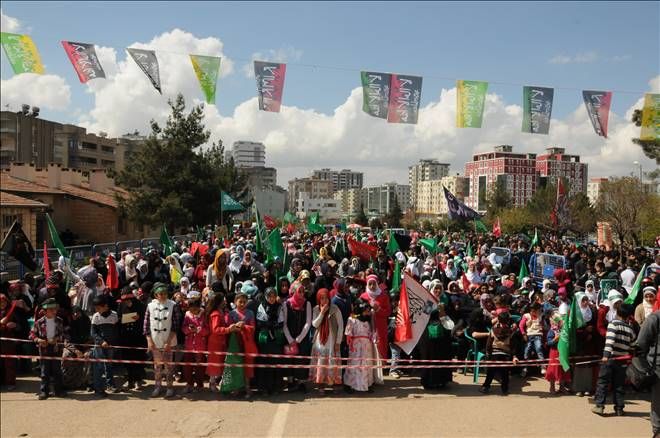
x=359 y=336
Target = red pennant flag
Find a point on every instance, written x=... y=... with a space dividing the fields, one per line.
x=46 y=261
x=269 y=222
x=290 y=228
x=363 y=251
x=403 y=328
x=112 y=280
x=497 y=231
x=466 y=283
x=198 y=247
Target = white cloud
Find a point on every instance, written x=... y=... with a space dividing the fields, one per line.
x=46 y=91
x=579 y=58
x=126 y=100
x=9 y=24
x=282 y=54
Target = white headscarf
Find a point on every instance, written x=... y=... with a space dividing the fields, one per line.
x=648 y=308
x=585 y=310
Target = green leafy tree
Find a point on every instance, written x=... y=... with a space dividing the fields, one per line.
x=498 y=199
x=621 y=202
x=170 y=180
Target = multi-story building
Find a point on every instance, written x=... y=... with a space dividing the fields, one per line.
x=555 y=164
x=341 y=179
x=261 y=176
x=328 y=208
x=516 y=172
x=314 y=187
x=426 y=170
x=593 y=189
x=249 y=154
x=25 y=138
x=431 y=201
x=270 y=200
x=350 y=201
x=379 y=200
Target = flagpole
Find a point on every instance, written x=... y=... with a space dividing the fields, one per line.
x=221 y=208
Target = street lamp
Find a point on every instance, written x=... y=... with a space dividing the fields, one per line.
x=641 y=188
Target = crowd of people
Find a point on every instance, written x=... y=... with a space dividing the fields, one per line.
x=220 y=316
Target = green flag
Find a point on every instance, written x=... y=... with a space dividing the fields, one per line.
x=57 y=243
x=314 y=224
x=636 y=287
x=165 y=240
x=315 y=255
x=289 y=218
x=261 y=238
x=567 y=337
x=342 y=226
x=206 y=69
x=535 y=240
x=430 y=244
x=21 y=53
x=480 y=226
x=392 y=245
x=524 y=272
x=396 y=277
x=275 y=246
x=229 y=204
x=340 y=249
x=468 y=250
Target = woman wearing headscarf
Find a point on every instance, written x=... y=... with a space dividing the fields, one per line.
x=218 y=271
x=199 y=275
x=436 y=344
x=380 y=303
x=270 y=340
x=130 y=268
x=295 y=269
x=584 y=376
x=645 y=308
x=76 y=374
x=131 y=322
x=9 y=328
x=219 y=330
x=297 y=322
x=329 y=325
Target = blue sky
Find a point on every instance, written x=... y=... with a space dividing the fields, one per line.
x=493 y=41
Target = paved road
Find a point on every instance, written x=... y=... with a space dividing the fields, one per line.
x=399 y=409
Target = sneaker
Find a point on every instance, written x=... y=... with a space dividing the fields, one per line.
x=395 y=375
x=43 y=396
x=169 y=393
x=543 y=371
x=619 y=412
x=598 y=410
x=116 y=389
x=156 y=391
x=580 y=394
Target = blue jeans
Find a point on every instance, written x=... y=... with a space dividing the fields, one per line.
x=611 y=373
x=396 y=356
x=536 y=343
x=102 y=369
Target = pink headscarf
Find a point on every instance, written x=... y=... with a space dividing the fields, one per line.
x=297 y=296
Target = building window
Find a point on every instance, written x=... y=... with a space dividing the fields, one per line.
x=8 y=221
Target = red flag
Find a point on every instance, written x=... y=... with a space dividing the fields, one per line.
x=363 y=251
x=46 y=261
x=497 y=231
x=269 y=222
x=466 y=283
x=290 y=228
x=112 y=280
x=403 y=328
x=198 y=247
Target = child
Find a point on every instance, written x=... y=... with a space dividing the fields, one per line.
x=359 y=335
x=217 y=339
x=196 y=331
x=48 y=334
x=241 y=340
x=555 y=372
x=531 y=326
x=500 y=349
x=105 y=333
x=161 y=324
x=618 y=342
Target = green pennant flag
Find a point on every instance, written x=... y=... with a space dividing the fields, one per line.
x=480 y=226
x=261 y=238
x=524 y=272
x=430 y=244
x=55 y=238
x=314 y=224
x=289 y=218
x=567 y=338
x=396 y=277
x=636 y=287
x=469 y=251
x=535 y=240
x=168 y=245
x=392 y=245
x=229 y=204
x=342 y=226
x=275 y=246
x=206 y=69
x=340 y=249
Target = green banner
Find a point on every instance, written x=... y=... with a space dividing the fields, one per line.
x=55 y=238
x=470 y=98
x=651 y=117
x=206 y=69
x=229 y=204
x=22 y=53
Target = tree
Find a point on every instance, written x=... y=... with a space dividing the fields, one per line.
x=361 y=218
x=394 y=218
x=498 y=199
x=376 y=224
x=170 y=180
x=426 y=225
x=620 y=202
x=582 y=214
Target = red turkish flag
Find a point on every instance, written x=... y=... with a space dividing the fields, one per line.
x=403 y=328
x=497 y=231
x=363 y=251
x=269 y=222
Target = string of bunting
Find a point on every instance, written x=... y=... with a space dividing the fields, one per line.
x=390 y=96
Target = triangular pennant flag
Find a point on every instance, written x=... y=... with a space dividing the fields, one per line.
x=403 y=329
x=636 y=286
x=84 y=60
x=392 y=245
x=206 y=69
x=535 y=240
x=567 y=338
x=148 y=63
x=55 y=238
x=166 y=242
x=524 y=272
x=21 y=53
x=480 y=226
x=396 y=276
